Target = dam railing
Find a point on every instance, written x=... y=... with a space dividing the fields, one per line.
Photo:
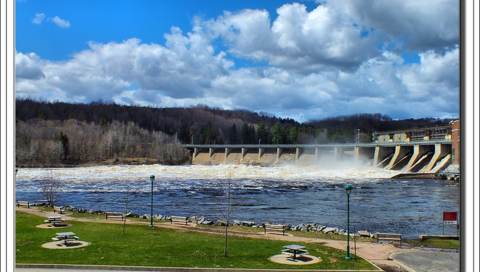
x=372 y=144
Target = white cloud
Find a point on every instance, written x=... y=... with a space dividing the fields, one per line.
x=297 y=38
x=337 y=33
x=318 y=64
x=183 y=68
x=38 y=18
x=436 y=77
x=415 y=24
x=62 y=23
x=28 y=66
x=178 y=75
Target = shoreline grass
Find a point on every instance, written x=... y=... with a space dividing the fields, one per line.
x=142 y=246
x=435 y=243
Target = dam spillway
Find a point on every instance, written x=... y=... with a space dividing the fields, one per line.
x=419 y=157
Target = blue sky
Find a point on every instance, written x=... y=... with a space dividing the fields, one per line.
x=307 y=59
x=107 y=20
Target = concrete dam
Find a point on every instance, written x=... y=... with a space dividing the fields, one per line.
x=416 y=157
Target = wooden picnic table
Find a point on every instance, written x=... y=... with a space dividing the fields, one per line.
x=56 y=221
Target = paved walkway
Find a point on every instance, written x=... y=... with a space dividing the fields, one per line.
x=150 y=270
x=60 y=270
x=421 y=260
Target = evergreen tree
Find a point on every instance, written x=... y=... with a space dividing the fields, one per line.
x=233 y=135
x=248 y=135
x=277 y=134
x=263 y=134
x=184 y=134
x=292 y=135
x=65 y=148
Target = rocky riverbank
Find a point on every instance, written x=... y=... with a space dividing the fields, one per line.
x=202 y=220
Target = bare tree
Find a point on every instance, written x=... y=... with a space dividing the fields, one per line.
x=50 y=190
x=51 y=143
x=126 y=199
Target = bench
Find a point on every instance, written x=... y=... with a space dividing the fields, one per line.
x=275 y=229
x=23 y=204
x=114 y=216
x=394 y=237
x=363 y=233
x=179 y=220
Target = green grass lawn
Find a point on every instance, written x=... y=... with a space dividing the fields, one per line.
x=160 y=247
x=436 y=243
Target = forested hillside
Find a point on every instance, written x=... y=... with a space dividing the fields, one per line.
x=200 y=125
x=71 y=142
x=63 y=133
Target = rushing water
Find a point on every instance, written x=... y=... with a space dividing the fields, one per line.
x=283 y=194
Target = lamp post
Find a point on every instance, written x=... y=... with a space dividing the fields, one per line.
x=152 y=178
x=348 y=190
x=225 y=250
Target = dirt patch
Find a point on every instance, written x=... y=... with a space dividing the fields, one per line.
x=300 y=260
x=62 y=245
x=49 y=226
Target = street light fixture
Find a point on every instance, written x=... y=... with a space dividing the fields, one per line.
x=227 y=217
x=348 y=190
x=152 y=178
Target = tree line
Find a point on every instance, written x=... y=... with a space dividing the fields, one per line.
x=55 y=143
x=138 y=129
x=199 y=125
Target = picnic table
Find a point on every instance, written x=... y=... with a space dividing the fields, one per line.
x=56 y=221
x=295 y=250
x=54 y=218
x=66 y=237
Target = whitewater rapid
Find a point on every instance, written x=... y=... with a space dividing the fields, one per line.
x=352 y=173
x=284 y=194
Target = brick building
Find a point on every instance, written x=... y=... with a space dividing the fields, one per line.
x=455 y=125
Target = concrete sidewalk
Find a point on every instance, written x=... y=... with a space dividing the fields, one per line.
x=106 y=269
x=424 y=260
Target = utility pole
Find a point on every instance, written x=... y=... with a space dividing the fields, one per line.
x=358 y=135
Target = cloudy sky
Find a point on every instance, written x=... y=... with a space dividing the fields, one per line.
x=305 y=59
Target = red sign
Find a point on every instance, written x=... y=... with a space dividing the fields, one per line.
x=449 y=216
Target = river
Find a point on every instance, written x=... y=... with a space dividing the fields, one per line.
x=289 y=194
